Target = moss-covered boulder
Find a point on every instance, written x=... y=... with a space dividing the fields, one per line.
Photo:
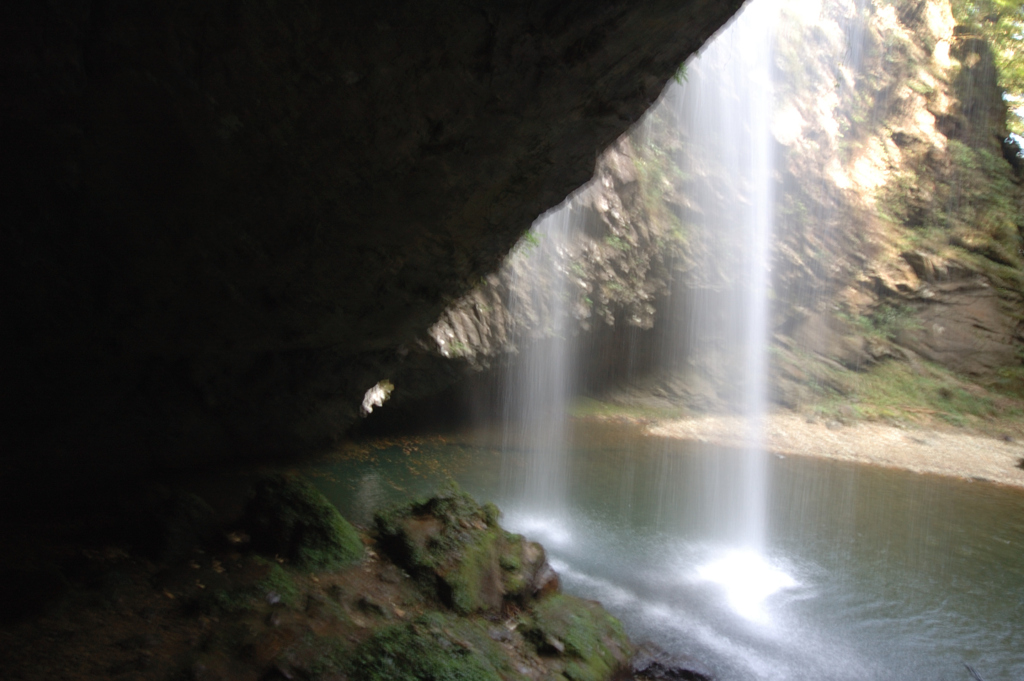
x=287 y=516
x=435 y=646
x=455 y=545
x=588 y=644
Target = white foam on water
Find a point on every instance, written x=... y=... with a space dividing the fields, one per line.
x=551 y=532
x=748 y=579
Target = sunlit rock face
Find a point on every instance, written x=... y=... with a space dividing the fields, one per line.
x=899 y=228
x=599 y=288
x=896 y=221
x=223 y=219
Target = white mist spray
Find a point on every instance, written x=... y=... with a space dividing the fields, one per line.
x=724 y=111
x=538 y=387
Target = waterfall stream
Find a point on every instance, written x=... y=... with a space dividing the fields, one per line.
x=724 y=111
x=722 y=105
x=538 y=385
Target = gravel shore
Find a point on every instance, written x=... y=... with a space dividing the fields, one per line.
x=974 y=457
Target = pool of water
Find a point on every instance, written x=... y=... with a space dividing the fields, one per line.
x=866 y=573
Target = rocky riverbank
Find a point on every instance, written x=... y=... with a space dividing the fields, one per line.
x=287 y=589
x=996 y=458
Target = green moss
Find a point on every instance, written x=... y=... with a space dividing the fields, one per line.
x=451 y=544
x=456 y=514
x=510 y=560
x=594 y=642
x=279 y=581
x=435 y=647
x=491 y=514
x=253 y=595
x=289 y=517
x=472 y=577
x=897 y=391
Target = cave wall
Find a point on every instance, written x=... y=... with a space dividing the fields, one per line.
x=223 y=219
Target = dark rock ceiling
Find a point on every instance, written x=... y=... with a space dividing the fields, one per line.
x=222 y=219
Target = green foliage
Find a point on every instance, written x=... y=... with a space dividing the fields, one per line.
x=967 y=211
x=680 y=75
x=528 y=243
x=491 y=513
x=899 y=391
x=1001 y=23
x=985 y=220
x=616 y=242
x=659 y=177
x=885 y=322
x=435 y=647
x=289 y=517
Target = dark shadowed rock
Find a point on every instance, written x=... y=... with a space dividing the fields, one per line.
x=651 y=663
x=289 y=517
x=221 y=220
x=29 y=591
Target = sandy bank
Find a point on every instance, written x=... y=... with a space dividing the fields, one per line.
x=942 y=453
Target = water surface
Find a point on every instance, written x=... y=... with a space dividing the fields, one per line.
x=867 y=573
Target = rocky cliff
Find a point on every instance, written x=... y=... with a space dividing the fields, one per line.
x=900 y=228
x=897 y=227
x=222 y=219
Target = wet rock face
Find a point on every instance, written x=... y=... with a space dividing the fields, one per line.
x=222 y=219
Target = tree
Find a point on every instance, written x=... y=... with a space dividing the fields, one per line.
x=1001 y=22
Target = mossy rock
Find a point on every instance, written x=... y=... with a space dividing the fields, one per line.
x=434 y=647
x=472 y=580
x=251 y=588
x=526 y=573
x=591 y=644
x=287 y=516
x=451 y=541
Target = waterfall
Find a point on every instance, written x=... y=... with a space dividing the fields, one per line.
x=724 y=111
x=538 y=381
